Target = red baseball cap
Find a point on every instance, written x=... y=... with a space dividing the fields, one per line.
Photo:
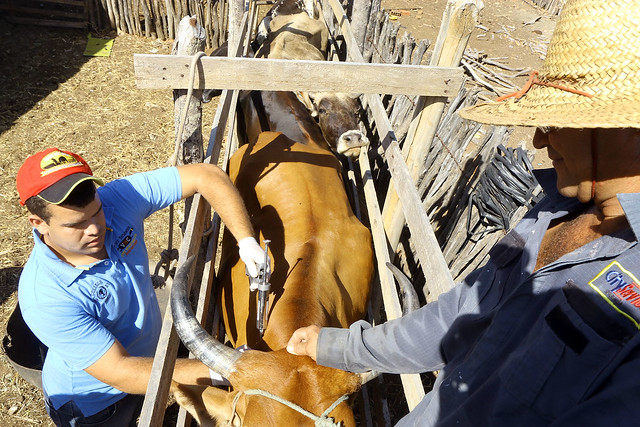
x=52 y=174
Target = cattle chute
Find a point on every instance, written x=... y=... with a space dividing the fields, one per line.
x=384 y=130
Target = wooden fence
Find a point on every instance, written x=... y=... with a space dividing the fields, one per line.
x=57 y=13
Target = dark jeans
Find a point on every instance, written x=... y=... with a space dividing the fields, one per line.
x=123 y=413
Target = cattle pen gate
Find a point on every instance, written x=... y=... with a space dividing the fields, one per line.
x=431 y=88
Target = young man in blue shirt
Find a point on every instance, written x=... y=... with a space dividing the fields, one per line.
x=86 y=290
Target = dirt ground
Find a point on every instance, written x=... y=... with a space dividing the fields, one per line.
x=52 y=95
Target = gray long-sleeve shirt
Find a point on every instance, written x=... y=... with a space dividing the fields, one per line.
x=515 y=347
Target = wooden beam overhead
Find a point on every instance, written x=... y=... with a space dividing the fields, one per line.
x=172 y=72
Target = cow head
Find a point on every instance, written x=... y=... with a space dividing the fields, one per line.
x=339 y=117
x=296 y=379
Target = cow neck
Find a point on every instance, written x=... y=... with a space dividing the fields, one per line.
x=256 y=98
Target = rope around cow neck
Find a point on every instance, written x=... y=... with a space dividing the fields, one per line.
x=319 y=421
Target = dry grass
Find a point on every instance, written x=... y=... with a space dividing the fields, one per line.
x=54 y=96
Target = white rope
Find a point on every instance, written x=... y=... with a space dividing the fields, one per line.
x=322 y=420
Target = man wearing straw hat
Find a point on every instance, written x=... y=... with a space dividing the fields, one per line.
x=547 y=331
x=86 y=292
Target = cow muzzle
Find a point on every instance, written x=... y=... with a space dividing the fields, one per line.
x=350 y=142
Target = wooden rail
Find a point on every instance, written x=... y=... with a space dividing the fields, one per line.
x=52 y=13
x=459 y=19
x=171 y=72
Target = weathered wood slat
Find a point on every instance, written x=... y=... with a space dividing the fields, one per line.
x=44 y=12
x=166 y=352
x=458 y=22
x=414 y=391
x=171 y=72
x=427 y=247
x=47 y=22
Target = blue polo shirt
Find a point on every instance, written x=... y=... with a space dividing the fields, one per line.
x=78 y=312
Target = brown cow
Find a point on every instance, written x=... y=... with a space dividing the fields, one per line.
x=322 y=265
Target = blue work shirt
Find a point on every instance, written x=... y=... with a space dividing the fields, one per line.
x=518 y=347
x=78 y=312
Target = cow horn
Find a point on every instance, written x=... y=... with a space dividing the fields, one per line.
x=410 y=301
x=208 y=350
x=365 y=377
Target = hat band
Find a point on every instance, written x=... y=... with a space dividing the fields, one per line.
x=533 y=80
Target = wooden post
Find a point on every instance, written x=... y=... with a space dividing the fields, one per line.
x=190 y=40
x=414 y=391
x=188 y=123
x=171 y=19
x=359 y=20
x=459 y=20
x=236 y=10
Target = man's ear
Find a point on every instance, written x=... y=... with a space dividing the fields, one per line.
x=39 y=224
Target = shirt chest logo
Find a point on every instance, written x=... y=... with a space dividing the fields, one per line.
x=127 y=241
x=620 y=287
x=100 y=291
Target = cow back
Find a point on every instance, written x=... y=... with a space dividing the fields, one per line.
x=322 y=256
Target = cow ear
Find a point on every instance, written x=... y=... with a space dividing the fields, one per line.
x=307 y=99
x=206 y=404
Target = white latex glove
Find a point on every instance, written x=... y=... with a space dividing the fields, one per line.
x=253 y=257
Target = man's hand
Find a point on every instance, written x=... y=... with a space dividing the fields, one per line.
x=253 y=257
x=304 y=341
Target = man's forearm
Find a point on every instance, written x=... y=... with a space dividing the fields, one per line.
x=217 y=189
x=131 y=374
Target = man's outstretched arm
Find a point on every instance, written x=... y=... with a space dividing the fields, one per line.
x=131 y=374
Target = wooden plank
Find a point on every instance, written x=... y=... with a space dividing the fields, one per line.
x=226 y=108
x=45 y=12
x=164 y=360
x=459 y=20
x=171 y=72
x=412 y=384
x=426 y=245
x=46 y=22
x=414 y=391
x=236 y=9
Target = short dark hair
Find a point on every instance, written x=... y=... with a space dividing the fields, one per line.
x=81 y=196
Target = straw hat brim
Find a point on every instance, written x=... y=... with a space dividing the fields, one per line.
x=547 y=106
x=590 y=77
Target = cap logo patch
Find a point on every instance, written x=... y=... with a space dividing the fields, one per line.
x=621 y=290
x=56 y=161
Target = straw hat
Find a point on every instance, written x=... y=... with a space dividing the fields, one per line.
x=590 y=78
